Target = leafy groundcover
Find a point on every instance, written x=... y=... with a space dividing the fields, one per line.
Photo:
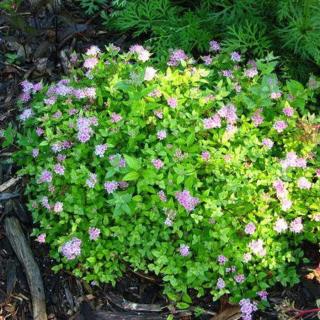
x=206 y=174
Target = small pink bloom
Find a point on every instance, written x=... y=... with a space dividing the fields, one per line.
x=41 y=238
x=158 y=164
x=172 y=102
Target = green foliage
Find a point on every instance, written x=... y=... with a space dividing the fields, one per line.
x=289 y=28
x=119 y=102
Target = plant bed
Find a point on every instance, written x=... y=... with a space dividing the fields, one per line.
x=132 y=165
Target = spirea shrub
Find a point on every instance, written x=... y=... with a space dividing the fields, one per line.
x=206 y=174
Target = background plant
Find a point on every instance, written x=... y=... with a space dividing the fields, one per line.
x=290 y=28
x=207 y=175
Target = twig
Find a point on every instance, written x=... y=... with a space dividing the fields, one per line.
x=9 y=183
x=21 y=248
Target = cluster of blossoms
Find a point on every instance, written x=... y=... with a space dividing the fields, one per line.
x=247 y=308
x=282 y=194
x=293 y=161
x=142 y=53
x=84 y=126
x=186 y=200
x=71 y=249
x=227 y=112
x=176 y=57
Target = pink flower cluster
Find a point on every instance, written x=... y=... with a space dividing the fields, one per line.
x=186 y=200
x=62 y=145
x=257 y=117
x=84 y=128
x=29 y=88
x=214 y=46
x=142 y=54
x=46 y=176
x=100 y=149
x=184 y=250
x=157 y=163
x=26 y=114
x=92 y=180
x=227 y=112
x=268 y=143
x=111 y=186
x=161 y=134
x=292 y=161
x=250 y=228
x=251 y=72
x=176 y=57
x=220 y=283
x=280 y=126
x=162 y=196
x=282 y=194
x=115 y=117
x=247 y=308
x=94 y=233
x=304 y=183
x=72 y=248
x=257 y=247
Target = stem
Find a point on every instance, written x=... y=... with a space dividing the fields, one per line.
x=304 y=312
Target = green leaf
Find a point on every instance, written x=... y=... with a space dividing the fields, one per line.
x=182 y=305
x=131 y=176
x=132 y=163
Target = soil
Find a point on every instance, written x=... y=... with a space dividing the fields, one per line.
x=43 y=53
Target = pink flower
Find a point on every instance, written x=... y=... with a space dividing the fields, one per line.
x=142 y=53
x=41 y=238
x=162 y=134
x=176 y=57
x=280 y=225
x=247 y=308
x=26 y=114
x=186 y=200
x=90 y=63
x=303 y=183
x=257 y=247
x=286 y=204
x=115 y=117
x=207 y=60
x=246 y=257
x=150 y=73
x=251 y=72
x=162 y=196
x=100 y=150
x=214 y=46
x=296 y=225
x=239 y=278
x=58 y=207
x=94 y=233
x=59 y=169
x=72 y=248
x=212 y=122
x=205 y=155
x=275 y=95
x=318 y=173
x=288 y=111
x=35 y=153
x=46 y=176
x=222 y=259
x=172 y=102
x=111 y=186
x=61 y=157
x=93 y=51
x=235 y=56
x=268 y=143
x=263 y=295
x=220 y=283
x=158 y=114
x=250 y=228
x=184 y=250
x=45 y=203
x=257 y=117
x=39 y=132
x=158 y=164
x=280 y=126
x=91 y=181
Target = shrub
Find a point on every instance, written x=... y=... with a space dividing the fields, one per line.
x=289 y=28
x=204 y=174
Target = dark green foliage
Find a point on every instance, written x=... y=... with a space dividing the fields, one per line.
x=289 y=28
